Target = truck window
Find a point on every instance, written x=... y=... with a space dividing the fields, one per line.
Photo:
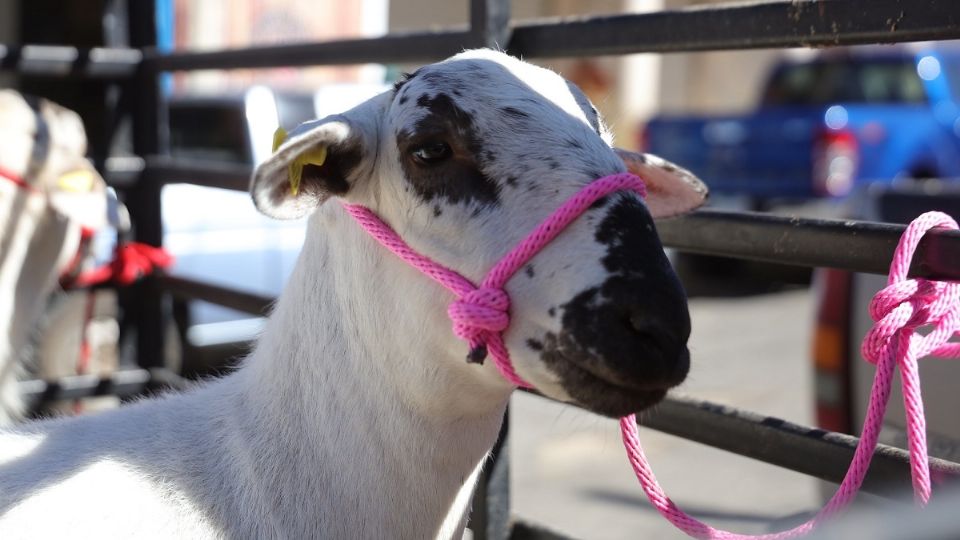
x=953 y=76
x=845 y=81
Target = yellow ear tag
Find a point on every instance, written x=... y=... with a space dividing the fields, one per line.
x=279 y=136
x=315 y=156
x=78 y=181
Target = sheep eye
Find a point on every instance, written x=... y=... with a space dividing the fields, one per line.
x=431 y=153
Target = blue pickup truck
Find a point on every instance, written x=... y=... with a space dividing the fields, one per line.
x=828 y=126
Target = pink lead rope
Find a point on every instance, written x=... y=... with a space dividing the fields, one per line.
x=480 y=315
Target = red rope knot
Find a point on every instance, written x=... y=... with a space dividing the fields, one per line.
x=476 y=316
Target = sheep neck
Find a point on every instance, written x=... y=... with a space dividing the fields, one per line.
x=395 y=423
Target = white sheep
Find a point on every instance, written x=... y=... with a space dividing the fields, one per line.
x=48 y=190
x=356 y=415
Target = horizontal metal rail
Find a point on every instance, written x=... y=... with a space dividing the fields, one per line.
x=859 y=246
x=191 y=289
x=751 y=25
x=125 y=173
x=58 y=60
x=789 y=445
x=413 y=47
x=167 y=170
x=523 y=530
x=742 y=25
x=122 y=383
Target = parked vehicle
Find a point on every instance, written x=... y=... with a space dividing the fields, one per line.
x=843 y=378
x=827 y=127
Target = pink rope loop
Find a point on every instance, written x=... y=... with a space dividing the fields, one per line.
x=899 y=309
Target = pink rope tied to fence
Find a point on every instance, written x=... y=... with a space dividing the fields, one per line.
x=899 y=309
x=481 y=314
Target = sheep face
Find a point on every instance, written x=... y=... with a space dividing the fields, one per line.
x=45 y=144
x=463 y=159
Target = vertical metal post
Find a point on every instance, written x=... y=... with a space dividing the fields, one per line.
x=144 y=305
x=116 y=33
x=490 y=518
x=490 y=23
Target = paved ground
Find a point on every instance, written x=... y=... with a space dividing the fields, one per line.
x=569 y=470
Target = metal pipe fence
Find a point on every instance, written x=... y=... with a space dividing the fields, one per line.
x=851 y=245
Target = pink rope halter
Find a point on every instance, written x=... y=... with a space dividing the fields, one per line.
x=480 y=315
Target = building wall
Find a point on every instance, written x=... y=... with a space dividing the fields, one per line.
x=627 y=89
x=712 y=82
x=221 y=24
x=622 y=88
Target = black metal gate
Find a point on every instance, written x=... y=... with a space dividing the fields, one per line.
x=136 y=68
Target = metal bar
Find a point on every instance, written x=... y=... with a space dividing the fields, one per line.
x=224 y=296
x=167 y=170
x=742 y=25
x=143 y=304
x=60 y=61
x=123 y=383
x=859 y=246
x=789 y=445
x=781 y=23
x=124 y=172
x=523 y=530
x=490 y=517
x=490 y=22
x=413 y=47
x=115 y=20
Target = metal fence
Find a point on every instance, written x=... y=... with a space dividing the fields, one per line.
x=136 y=67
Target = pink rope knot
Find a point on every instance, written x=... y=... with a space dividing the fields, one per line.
x=476 y=315
x=899 y=309
x=908 y=305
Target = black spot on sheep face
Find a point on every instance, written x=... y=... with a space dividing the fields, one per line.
x=623 y=343
x=441 y=154
x=469 y=132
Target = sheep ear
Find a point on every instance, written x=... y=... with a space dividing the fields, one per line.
x=671 y=190
x=307 y=167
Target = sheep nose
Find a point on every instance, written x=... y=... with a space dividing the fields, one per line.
x=662 y=341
